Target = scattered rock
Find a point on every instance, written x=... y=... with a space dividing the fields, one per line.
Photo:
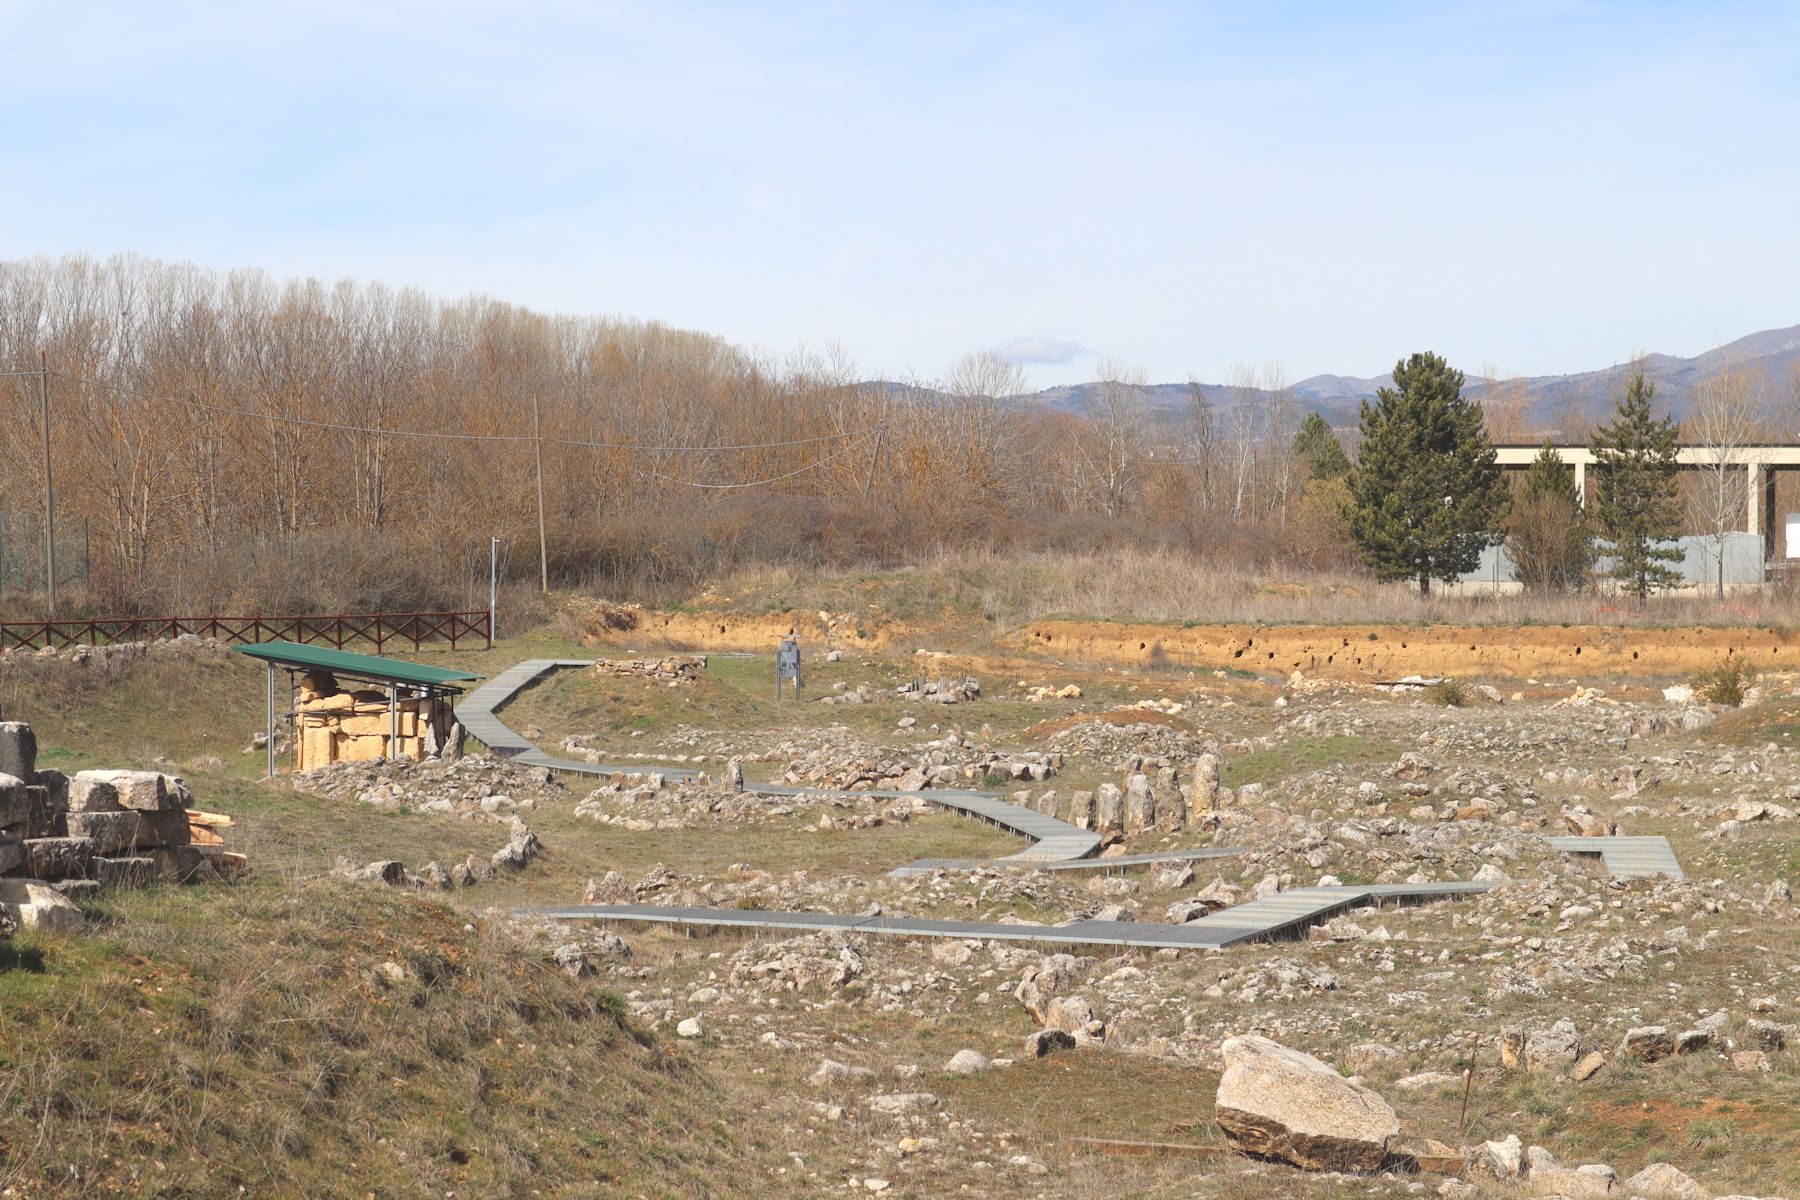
x=1276 y=1102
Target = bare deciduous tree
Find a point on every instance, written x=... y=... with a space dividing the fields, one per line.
x=1726 y=420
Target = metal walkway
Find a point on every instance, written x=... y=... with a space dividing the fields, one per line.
x=1138 y=860
x=1626 y=857
x=1283 y=915
x=1053 y=841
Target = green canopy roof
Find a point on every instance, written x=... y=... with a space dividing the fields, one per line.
x=365 y=666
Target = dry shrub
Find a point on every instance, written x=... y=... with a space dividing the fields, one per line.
x=1725 y=683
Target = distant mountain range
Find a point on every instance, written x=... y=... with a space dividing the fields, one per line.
x=1546 y=404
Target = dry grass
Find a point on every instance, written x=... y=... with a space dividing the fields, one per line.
x=208 y=1040
x=1009 y=589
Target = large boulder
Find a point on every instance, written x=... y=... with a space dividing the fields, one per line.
x=1660 y=1181
x=1280 y=1103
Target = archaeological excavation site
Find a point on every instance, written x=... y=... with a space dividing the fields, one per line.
x=957 y=915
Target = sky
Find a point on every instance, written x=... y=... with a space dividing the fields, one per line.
x=1533 y=187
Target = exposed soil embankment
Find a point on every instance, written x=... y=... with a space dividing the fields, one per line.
x=721 y=631
x=1389 y=651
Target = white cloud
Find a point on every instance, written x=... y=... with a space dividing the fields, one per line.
x=1041 y=351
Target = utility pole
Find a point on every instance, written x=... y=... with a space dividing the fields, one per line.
x=537 y=441
x=49 y=484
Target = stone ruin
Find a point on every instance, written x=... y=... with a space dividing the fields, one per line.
x=67 y=836
x=336 y=725
x=676 y=668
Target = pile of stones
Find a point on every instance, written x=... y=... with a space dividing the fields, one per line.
x=473 y=787
x=62 y=837
x=941 y=690
x=677 y=668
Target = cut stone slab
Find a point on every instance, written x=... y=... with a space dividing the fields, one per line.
x=37 y=905
x=124 y=872
x=142 y=791
x=1277 y=1102
x=91 y=792
x=59 y=857
x=114 y=832
x=111 y=832
x=18 y=750
x=175 y=864
x=15 y=803
x=12 y=854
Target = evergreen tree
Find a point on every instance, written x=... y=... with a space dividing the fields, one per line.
x=1635 y=504
x=1547 y=532
x=1318 y=447
x=1425 y=496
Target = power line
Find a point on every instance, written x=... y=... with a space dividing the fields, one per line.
x=458 y=437
x=755 y=482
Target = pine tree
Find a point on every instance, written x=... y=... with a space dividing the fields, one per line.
x=1318 y=447
x=1425 y=496
x=1635 y=503
x=1547 y=532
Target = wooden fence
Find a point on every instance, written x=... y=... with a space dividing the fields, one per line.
x=344 y=629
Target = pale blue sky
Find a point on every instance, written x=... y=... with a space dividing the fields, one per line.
x=1545 y=187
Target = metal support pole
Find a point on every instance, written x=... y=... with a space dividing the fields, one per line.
x=493 y=584
x=49 y=484
x=271 y=728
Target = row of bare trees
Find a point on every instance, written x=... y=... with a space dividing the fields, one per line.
x=233 y=439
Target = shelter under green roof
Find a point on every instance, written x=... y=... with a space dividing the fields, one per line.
x=361 y=666
x=331 y=711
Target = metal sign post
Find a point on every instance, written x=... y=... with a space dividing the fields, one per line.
x=493 y=583
x=787 y=665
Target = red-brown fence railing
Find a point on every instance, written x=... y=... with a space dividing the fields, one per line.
x=378 y=629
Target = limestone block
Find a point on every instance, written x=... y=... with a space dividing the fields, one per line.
x=1109 y=809
x=37 y=905
x=1171 y=805
x=15 y=804
x=132 y=872
x=59 y=857
x=1140 y=805
x=91 y=792
x=18 y=750
x=164 y=829
x=56 y=787
x=174 y=864
x=12 y=854
x=1081 y=810
x=112 y=832
x=141 y=791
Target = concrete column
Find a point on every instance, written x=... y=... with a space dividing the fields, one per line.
x=1581 y=482
x=1754 y=496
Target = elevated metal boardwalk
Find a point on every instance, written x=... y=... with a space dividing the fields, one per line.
x=1137 y=860
x=1283 y=915
x=1626 y=857
x=1053 y=841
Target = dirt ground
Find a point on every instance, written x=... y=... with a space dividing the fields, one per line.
x=1391 y=651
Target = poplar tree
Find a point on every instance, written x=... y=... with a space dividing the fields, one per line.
x=1635 y=500
x=1547 y=531
x=1425 y=495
